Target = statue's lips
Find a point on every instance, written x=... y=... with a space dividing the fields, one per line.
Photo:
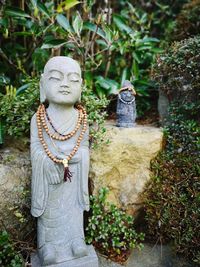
x=64 y=92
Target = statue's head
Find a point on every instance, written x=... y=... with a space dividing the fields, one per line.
x=127 y=95
x=61 y=81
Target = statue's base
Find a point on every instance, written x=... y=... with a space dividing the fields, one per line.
x=125 y=124
x=88 y=261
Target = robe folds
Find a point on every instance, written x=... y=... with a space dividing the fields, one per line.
x=59 y=205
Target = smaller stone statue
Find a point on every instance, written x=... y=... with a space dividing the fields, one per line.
x=126 y=106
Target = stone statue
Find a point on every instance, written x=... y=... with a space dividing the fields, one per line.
x=126 y=106
x=60 y=166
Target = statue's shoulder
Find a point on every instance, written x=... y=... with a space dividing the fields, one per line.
x=33 y=121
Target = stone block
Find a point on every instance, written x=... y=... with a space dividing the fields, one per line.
x=88 y=261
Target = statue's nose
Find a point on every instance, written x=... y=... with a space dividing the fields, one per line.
x=65 y=83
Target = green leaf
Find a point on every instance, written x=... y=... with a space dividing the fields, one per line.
x=109 y=85
x=157 y=50
x=22 y=88
x=15 y=12
x=23 y=33
x=136 y=57
x=144 y=47
x=64 y=22
x=53 y=43
x=93 y=27
x=121 y=24
x=101 y=42
x=124 y=76
x=67 y=5
x=149 y=40
x=1 y=132
x=135 y=69
x=43 y=8
x=77 y=23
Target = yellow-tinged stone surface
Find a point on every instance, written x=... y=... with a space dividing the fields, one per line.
x=123 y=164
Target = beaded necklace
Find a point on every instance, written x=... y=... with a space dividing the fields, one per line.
x=126 y=102
x=41 y=124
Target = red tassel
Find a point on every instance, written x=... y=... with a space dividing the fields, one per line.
x=67 y=174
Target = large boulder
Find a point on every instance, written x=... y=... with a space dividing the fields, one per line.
x=123 y=165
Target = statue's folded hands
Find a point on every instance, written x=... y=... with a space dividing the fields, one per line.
x=54 y=172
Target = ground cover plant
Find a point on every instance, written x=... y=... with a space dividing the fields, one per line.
x=8 y=256
x=110 y=229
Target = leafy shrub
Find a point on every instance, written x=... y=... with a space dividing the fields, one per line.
x=188 y=21
x=172 y=199
x=178 y=73
x=16 y=110
x=95 y=107
x=110 y=229
x=8 y=256
x=161 y=14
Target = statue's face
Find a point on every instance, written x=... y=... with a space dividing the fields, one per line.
x=62 y=81
x=127 y=95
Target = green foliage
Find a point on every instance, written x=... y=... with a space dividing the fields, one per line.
x=161 y=15
x=110 y=47
x=187 y=22
x=178 y=73
x=172 y=196
x=16 y=110
x=111 y=229
x=172 y=199
x=96 y=115
x=8 y=256
x=183 y=132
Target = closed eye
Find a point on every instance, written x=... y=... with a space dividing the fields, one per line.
x=54 y=78
x=74 y=81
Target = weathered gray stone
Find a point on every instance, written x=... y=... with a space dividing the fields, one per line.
x=150 y=256
x=163 y=105
x=126 y=106
x=88 y=261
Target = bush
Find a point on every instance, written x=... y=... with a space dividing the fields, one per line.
x=8 y=256
x=161 y=14
x=188 y=21
x=178 y=73
x=172 y=198
x=16 y=110
x=110 y=229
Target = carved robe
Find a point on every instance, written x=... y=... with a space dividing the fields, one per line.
x=59 y=205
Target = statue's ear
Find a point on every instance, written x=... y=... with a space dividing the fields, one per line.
x=79 y=100
x=42 y=90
